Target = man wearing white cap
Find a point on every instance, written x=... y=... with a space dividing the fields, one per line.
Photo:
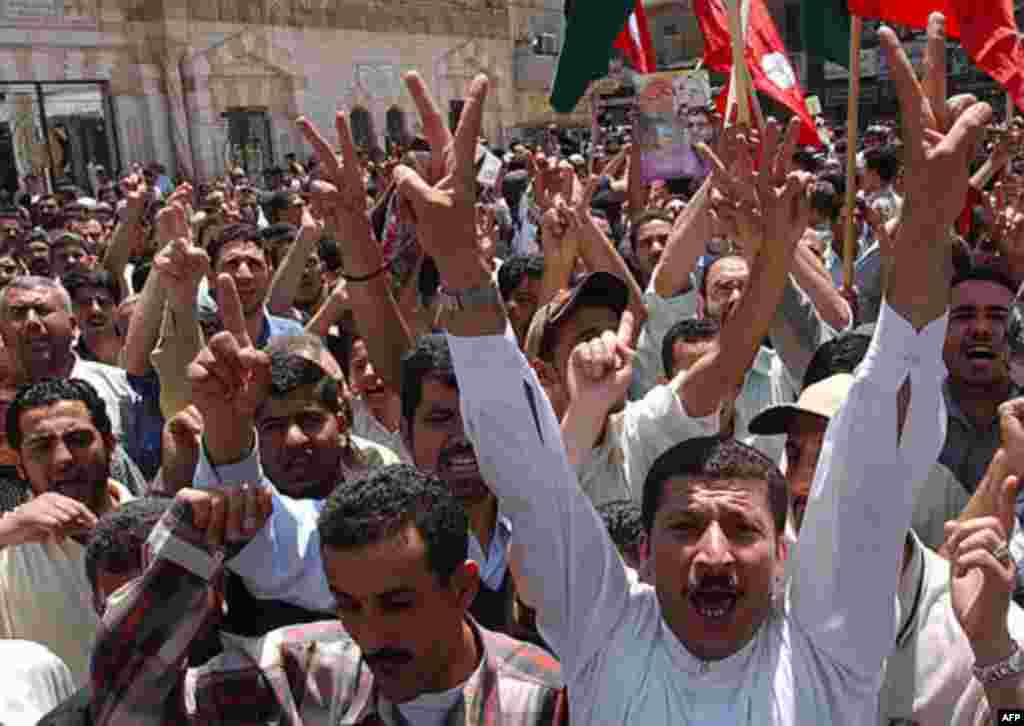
x=928 y=674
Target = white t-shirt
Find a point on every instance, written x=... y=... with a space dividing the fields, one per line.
x=35 y=682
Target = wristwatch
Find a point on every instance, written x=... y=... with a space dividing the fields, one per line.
x=474 y=297
x=1012 y=666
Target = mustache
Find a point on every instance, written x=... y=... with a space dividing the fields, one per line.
x=387 y=656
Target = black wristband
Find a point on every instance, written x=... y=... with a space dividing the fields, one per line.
x=365 y=278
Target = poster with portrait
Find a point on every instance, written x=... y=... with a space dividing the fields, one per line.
x=672 y=116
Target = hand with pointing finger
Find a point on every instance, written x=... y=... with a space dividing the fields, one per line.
x=230 y=379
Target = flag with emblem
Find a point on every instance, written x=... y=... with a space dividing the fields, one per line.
x=593 y=30
x=770 y=69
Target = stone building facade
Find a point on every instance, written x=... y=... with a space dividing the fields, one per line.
x=196 y=84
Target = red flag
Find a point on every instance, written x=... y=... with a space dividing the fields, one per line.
x=913 y=13
x=770 y=69
x=635 y=41
x=987 y=31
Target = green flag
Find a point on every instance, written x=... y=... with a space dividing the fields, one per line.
x=825 y=25
x=590 y=30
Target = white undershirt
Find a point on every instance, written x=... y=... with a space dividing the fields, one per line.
x=432 y=709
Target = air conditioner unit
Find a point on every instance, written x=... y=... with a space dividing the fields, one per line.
x=545 y=44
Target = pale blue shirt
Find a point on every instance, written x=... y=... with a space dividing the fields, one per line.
x=283 y=562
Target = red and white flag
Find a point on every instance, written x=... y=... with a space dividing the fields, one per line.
x=635 y=41
x=767 y=60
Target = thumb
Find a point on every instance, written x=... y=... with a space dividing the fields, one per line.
x=411 y=186
x=627 y=326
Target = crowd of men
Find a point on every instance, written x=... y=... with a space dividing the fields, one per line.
x=376 y=443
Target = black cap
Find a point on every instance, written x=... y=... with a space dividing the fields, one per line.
x=597 y=289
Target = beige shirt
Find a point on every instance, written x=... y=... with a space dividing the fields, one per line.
x=45 y=597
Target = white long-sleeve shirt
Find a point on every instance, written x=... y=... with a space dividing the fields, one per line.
x=818 y=658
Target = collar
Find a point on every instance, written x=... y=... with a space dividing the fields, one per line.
x=763 y=362
x=480 y=703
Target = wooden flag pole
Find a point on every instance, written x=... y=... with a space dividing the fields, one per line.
x=852 y=120
x=739 y=88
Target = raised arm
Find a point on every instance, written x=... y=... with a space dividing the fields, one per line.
x=369 y=284
x=128 y=233
x=888 y=434
x=772 y=208
x=289 y=272
x=138 y=663
x=573 y=570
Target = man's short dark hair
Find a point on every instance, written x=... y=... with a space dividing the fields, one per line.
x=651 y=215
x=687 y=330
x=984 y=273
x=840 y=355
x=140 y=273
x=825 y=200
x=290 y=371
x=430 y=356
x=78 y=279
x=712 y=459
x=514 y=269
x=116 y=543
x=234 y=233
x=884 y=161
x=330 y=254
x=49 y=392
x=624 y=523
x=383 y=503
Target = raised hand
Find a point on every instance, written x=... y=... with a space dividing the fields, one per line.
x=601 y=370
x=48 y=515
x=983 y=575
x=180 y=264
x=768 y=203
x=231 y=516
x=444 y=207
x=230 y=379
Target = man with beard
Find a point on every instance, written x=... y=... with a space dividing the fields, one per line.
x=94 y=298
x=240 y=252
x=707 y=643
x=233 y=452
x=977 y=355
x=64 y=441
x=402 y=650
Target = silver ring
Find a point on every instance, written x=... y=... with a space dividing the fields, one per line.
x=1002 y=553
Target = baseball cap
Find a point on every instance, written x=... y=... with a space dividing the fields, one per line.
x=597 y=289
x=823 y=399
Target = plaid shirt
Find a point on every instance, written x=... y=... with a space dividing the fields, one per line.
x=309 y=675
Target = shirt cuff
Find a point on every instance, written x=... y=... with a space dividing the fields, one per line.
x=169 y=541
x=897 y=349
x=483 y=353
x=248 y=470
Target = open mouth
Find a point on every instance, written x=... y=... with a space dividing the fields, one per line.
x=460 y=463
x=714 y=604
x=981 y=352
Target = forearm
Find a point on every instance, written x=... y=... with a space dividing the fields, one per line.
x=581 y=429
x=600 y=255
x=918 y=286
x=375 y=310
x=180 y=343
x=812 y=277
x=867 y=472
x=1005 y=693
x=572 y=569
x=168 y=607
x=329 y=314
x=720 y=372
x=144 y=327
x=289 y=274
x=119 y=252
x=637 y=192
x=685 y=246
